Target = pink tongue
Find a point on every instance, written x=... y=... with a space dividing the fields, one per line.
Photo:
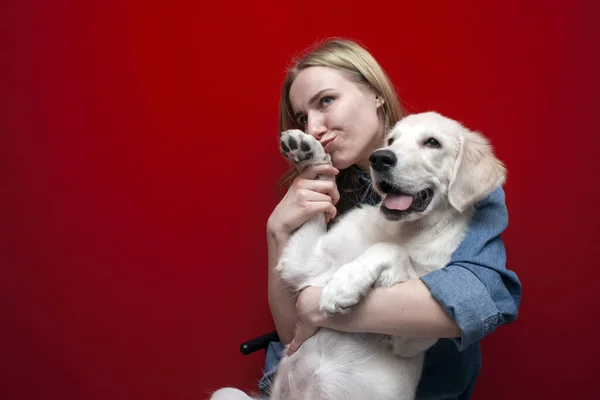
x=398 y=201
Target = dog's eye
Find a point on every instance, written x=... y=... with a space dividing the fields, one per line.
x=431 y=142
x=390 y=141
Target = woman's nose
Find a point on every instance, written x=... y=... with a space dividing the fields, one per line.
x=315 y=126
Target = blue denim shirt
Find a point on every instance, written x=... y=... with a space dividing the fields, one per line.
x=475 y=289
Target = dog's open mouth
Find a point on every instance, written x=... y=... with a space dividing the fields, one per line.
x=397 y=202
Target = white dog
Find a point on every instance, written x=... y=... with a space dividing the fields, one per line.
x=430 y=174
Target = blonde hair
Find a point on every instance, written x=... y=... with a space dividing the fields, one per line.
x=359 y=65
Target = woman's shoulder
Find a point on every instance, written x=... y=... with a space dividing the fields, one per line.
x=492 y=208
x=484 y=234
x=496 y=197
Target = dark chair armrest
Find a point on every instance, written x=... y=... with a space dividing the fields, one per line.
x=258 y=343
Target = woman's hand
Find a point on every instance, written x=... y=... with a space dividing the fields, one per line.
x=306 y=197
x=308 y=317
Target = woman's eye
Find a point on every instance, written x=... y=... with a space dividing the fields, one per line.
x=327 y=100
x=431 y=142
x=302 y=121
x=390 y=141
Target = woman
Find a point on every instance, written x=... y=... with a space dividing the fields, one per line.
x=339 y=94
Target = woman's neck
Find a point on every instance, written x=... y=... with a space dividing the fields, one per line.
x=364 y=167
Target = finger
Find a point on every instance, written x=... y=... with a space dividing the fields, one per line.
x=335 y=195
x=305 y=195
x=311 y=171
x=315 y=207
x=334 y=192
x=291 y=348
x=320 y=169
x=303 y=332
x=331 y=213
x=294 y=345
x=328 y=187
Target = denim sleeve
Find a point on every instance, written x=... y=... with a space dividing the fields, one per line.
x=475 y=288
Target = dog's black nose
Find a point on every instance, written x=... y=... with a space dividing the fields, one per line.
x=382 y=160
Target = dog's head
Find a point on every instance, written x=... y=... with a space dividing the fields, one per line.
x=431 y=161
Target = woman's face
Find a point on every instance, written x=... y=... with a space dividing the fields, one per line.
x=338 y=112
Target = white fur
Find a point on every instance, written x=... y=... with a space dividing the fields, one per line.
x=366 y=249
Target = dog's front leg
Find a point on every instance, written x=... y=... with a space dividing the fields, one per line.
x=300 y=261
x=382 y=264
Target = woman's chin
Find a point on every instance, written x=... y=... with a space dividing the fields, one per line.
x=340 y=162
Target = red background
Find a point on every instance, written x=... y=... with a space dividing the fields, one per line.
x=138 y=152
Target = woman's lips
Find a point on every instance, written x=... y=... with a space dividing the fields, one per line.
x=327 y=144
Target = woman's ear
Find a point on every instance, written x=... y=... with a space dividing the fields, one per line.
x=379 y=101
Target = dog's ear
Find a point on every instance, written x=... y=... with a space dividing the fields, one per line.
x=477 y=171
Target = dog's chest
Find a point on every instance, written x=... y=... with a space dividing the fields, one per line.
x=425 y=259
x=352 y=236
x=431 y=252
x=346 y=245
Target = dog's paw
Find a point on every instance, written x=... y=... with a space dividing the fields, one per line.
x=345 y=289
x=302 y=149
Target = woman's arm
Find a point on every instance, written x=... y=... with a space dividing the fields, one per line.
x=282 y=301
x=406 y=309
x=306 y=197
x=465 y=300
x=475 y=288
